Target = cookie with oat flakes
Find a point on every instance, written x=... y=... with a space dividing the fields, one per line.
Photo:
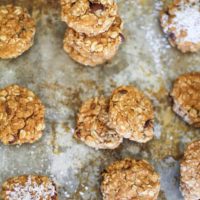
x=91 y=17
x=29 y=187
x=17 y=30
x=132 y=114
x=190 y=177
x=185 y=95
x=130 y=179
x=96 y=49
x=92 y=126
x=87 y=61
x=21 y=116
x=181 y=23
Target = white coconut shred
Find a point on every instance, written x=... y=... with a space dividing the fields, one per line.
x=187 y=20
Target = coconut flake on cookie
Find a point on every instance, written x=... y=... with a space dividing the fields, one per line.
x=187 y=20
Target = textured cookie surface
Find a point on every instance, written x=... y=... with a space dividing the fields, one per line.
x=91 y=17
x=84 y=60
x=29 y=188
x=190 y=176
x=181 y=23
x=130 y=179
x=96 y=49
x=92 y=128
x=21 y=116
x=131 y=113
x=17 y=30
x=186 y=98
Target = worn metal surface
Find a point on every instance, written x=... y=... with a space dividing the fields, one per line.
x=145 y=60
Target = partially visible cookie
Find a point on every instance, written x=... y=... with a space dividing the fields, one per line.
x=91 y=17
x=180 y=22
x=21 y=115
x=132 y=114
x=84 y=60
x=29 y=187
x=17 y=30
x=130 y=179
x=92 y=126
x=190 y=168
x=186 y=98
x=96 y=49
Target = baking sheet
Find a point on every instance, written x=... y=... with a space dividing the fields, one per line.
x=145 y=60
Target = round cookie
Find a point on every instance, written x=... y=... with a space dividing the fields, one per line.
x=181 y=23
x=190 y=176
x=91 y=17
x=92 y=126
x=131 y=113
x=21 y=116
x=130 y=179
x=186 y=98
x=94 y=50
x=87 y=61
x=17 y=30
x=29 y=187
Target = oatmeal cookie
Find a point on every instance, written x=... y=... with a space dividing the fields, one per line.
x=130 y=179
x=181 y=23
x=29 y=187
x=131 y=113
x=186 y=98
x=21 y=116
x=91 y=17
x=92 y=125
x=87 y=61
x=17 y=30
x=190 y=176
x=97 y=49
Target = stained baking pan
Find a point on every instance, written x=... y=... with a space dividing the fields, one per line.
x=145 y=59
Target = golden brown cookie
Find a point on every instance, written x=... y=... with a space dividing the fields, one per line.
x=91 y=17
x=190 y=168
x=21 y=116
x=130 y=179
x=29 y=187
x=17 y=30
x=131 y=113
x=181 y=23
x=92 y=126
x=75 y=55
x=186 y=98
x=94 y=50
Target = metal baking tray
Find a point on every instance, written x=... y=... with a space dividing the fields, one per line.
x=145 y=60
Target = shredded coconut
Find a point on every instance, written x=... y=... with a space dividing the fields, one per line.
x=25 y=192
x=187 y=19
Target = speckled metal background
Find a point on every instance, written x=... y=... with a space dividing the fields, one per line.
x=145 y=59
